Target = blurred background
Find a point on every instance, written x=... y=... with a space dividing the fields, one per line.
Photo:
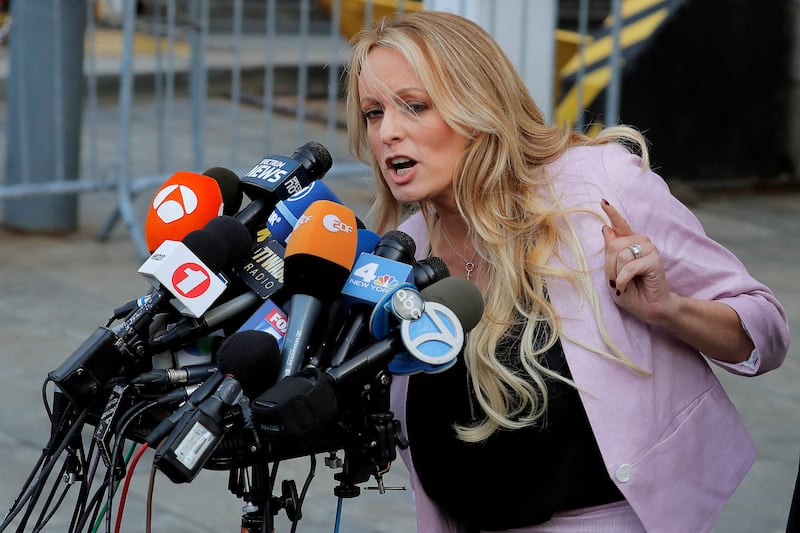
x=101 y=101
x=714 y=85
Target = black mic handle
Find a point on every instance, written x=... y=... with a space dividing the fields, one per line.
x=201 y=393
x=254 y=215
x=348 y=341
x=321 y=355
x=140 y=317
x=188 y=328
x=376 y=354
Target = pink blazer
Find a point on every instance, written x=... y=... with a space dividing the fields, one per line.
x=672 y=442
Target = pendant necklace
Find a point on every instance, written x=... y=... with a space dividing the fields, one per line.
x=469 y=264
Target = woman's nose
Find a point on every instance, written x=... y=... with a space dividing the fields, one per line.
x=391 y=126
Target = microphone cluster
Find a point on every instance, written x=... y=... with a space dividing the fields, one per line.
x=270 y=331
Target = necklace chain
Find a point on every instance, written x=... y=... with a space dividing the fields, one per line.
x=469 y=264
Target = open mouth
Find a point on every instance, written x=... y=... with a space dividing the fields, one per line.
x=402 y=165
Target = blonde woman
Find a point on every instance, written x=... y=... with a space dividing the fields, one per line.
x=587 y=382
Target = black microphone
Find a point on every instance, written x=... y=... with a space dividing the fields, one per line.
x=428 y=271
x=371 y=278
x=301 y=404
x=229 y=186
x=452 y=307
x=276 y=178
x=195 y=260
x=394 y=244
x=248 y=362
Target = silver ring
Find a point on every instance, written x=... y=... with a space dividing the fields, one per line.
x=636 y=250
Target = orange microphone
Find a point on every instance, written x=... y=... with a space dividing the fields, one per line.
x=187 y=201
x=319 y=255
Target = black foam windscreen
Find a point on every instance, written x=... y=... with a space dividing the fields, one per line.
x=460 y=296
x=230 y=187
x=253 y=358
x=235 y=236
x=429 y=270
x=315 y=158
x=397 y=246
x=209 y=248
x=313 y=275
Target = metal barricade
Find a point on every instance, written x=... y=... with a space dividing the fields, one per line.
x=189 y=84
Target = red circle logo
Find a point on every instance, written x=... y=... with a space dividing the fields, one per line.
x=190 y=280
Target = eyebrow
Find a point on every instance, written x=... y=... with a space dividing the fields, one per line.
x=396 y=95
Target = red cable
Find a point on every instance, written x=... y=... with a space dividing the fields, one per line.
x=128 y=477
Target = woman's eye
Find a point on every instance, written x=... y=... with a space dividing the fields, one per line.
x=417 y=107
x=370 y=114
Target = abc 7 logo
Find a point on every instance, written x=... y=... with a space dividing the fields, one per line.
x=436 y=337
x=174 y=202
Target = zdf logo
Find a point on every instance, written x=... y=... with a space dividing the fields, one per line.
x=334 y=224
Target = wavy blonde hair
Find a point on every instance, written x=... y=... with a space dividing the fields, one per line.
x=501 y=188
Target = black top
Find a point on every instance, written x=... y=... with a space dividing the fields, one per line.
x=515 y=478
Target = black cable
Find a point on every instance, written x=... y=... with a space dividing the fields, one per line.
x=34 y=500
x=17 y=501
x=86 y=482
x=267 y=525
x=93 y=503
x=39 y=462
x=44 y=519
x=45 y=471
x=45 y=402
x=311 y=471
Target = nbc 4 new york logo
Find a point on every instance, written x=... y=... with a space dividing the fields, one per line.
x=373 y=277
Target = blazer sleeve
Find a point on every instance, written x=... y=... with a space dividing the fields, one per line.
x=694 y=263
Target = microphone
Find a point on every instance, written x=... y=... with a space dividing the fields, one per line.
x=306 y=402
x=263 y=273
x=452 y=307
x=318 y=259
x=340 y=307
x=287 y=212
x=367 y=240
x=175 y=265
x=276 y=178
x=373 y=276
x=107 y=350
x=268 y=318
x=430 y=348
x=397 y=246
x=229 y=186
x=248 y=362
x=429 y=270
x=187 y=201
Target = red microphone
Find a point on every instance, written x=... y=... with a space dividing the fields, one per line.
x=187 y=201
